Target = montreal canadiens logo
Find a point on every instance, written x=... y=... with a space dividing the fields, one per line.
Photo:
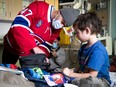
x=39 y=23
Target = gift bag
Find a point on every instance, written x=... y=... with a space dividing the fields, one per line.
x=34 y=60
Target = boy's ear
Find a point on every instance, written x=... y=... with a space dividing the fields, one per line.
x=88 y=31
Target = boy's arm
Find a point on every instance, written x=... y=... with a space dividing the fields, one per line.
x=70 y=73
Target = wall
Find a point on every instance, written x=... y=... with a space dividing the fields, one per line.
x=4 y=27
x=113 y=21
x=113 y=18
x=102 y=10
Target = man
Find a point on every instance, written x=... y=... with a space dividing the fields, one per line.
x=34 y=29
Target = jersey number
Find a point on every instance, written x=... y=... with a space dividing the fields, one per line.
x=26 y=12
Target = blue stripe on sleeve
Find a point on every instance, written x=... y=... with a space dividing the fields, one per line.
x=21 y=21
x=47 y=45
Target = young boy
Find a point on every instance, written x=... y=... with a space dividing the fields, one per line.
x=58 y=57
x=93 y=57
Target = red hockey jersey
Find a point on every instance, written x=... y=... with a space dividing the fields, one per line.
x=31 y=28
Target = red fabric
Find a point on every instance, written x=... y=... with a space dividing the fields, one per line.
x=12 y=66
x=113 y=64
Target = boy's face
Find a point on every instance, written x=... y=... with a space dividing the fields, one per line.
x=83 y=36
x=56 y=41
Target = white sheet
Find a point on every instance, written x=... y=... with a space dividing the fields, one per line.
x=113 y=79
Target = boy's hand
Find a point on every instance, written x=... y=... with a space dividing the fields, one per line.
x=54 y=53
x=66 y=71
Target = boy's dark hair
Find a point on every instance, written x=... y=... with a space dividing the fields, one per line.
x=58 y=38
x=90 y=20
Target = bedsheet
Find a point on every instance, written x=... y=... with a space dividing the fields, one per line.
x=113 y=79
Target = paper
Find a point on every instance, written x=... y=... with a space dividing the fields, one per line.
x=69 y=85
x=68 y=31
x=54 y=79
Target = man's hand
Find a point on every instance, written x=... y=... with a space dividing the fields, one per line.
x=37 y=50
